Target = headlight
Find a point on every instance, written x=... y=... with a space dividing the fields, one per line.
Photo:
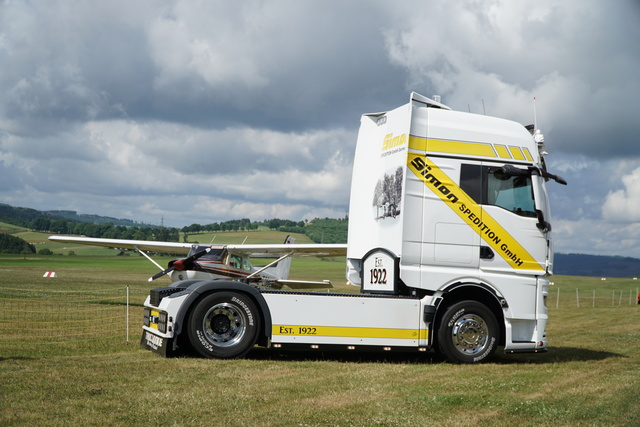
x=156 y=319
x=147 y=316
x=162 y=322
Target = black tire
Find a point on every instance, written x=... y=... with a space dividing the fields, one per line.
x=224 y=325
x=467 y=333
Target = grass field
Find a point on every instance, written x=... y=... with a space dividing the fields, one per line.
x=590 y=376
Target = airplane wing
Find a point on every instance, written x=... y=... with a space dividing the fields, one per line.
x=258 y=250
x=143 y=245
x=307 y=249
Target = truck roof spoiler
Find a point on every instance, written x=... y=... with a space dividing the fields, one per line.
x=433 y=103
x=415 y=96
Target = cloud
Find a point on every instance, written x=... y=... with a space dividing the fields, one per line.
x=597 y=237
x=208 y=43
x=624 y=205
x=127 y=159
x=282 y=65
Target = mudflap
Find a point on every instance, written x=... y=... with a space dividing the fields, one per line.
x=158 y=345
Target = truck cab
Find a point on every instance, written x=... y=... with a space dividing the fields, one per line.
x=471 y=217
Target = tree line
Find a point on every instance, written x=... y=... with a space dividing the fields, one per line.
x=106 y=231
x=327 y=230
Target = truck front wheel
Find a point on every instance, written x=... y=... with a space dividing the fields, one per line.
x=468 y=333
x=223 y=325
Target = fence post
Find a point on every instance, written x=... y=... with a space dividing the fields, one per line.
x=577 y=299
x=127 y=313
x=558 y=298
x=620 y=299
x=594 y=299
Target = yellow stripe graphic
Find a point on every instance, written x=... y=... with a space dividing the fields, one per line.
x=503 y=152
x=452 y=147
x=516 y=153
x=346 y=331
x=477 y=218
x=479 y=149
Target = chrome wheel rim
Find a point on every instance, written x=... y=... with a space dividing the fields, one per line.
x=224 y=325
x=470 y=334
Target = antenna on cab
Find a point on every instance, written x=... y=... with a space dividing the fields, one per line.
x=538 y=137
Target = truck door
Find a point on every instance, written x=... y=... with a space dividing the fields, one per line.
x=455 y=243
x=517 y=238
x=544 y=215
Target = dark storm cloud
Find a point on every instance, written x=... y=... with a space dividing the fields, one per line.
x=262 y=66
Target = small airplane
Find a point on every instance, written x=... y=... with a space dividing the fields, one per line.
x=212 y=262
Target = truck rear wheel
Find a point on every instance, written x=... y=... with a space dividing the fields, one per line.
x=468 y=333
x=224 y=325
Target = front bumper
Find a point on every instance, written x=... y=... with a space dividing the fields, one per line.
x=159 y=327
x=156 y=343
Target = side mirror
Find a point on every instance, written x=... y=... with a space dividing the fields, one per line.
x=556 y=178
x=511 y=170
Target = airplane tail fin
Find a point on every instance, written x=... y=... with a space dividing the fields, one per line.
x=281 y=269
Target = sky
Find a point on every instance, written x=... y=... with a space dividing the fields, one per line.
x=200 y=111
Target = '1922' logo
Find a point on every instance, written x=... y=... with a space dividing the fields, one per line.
x=378 y=276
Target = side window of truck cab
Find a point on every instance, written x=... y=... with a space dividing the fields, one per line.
x=488 y=186
x=513 y=193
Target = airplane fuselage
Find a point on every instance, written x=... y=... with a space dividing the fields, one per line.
x=218 y=263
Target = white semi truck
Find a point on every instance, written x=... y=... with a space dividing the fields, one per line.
x=449 y=241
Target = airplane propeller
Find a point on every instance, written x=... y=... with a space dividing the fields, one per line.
x=180 y=264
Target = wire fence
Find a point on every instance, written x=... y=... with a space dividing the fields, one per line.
x=32 y=318
x=578 y=297
x=54 y=317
